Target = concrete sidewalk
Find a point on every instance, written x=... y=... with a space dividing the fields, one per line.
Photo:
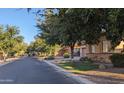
x=75 y=77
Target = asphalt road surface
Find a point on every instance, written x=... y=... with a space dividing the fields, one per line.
x=31 y=71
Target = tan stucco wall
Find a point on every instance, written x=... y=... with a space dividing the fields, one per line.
x=99 y=49
x=99 y=55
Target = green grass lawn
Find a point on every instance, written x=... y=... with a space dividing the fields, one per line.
x=78 y=66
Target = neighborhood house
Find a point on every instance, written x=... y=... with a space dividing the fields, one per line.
x=99 y=52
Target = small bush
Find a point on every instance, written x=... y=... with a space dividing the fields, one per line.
x=66 y=55
x=51 y=57
x=117 y=60
x=86 y=60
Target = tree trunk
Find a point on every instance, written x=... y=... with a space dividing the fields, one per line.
x=72 y=51
x=4 y=57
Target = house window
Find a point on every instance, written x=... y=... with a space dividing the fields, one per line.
x=105 y=46
x=93 y=49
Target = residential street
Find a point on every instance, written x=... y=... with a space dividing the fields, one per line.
x=30 y=71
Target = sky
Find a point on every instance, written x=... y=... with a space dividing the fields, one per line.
x=22 y=19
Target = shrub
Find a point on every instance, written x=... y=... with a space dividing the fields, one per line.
x=12 y=54
x=85 y=60
x=51 y=57
x=66 y=55
x=117 y=60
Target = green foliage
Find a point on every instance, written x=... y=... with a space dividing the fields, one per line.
x=11 y=53
x=69 y=26
x=9 y=39
x=117 y=60
x=115 y=29
x=66 y=55
x=51 y=57
x=40 y=47
x=20 y=49
x=86 y=60
x=59 y=28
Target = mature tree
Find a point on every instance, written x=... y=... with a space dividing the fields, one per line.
x=69 y=26
x=99 y=22
x=9 y=37
x=115 y=31
x=19 y=49
x=40 y=47
x=61 y=28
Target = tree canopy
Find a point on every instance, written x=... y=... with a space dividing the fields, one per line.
x=40 y=47
x=9 y=40
x=70 y=26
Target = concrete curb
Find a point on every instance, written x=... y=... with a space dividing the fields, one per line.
x=77 y=78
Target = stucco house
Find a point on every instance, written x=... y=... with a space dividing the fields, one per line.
x=101 y=51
